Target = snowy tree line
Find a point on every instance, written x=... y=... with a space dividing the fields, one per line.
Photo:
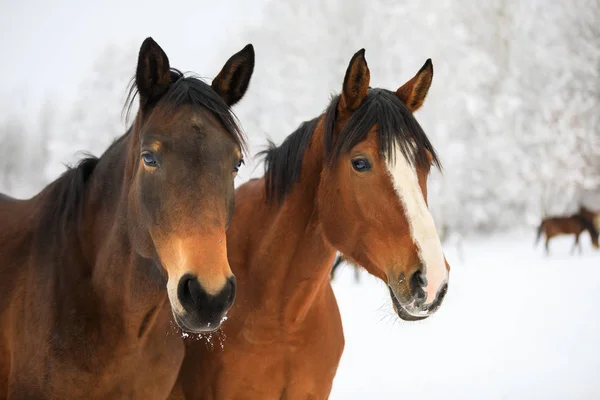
x=513 y=110
x=36 y=148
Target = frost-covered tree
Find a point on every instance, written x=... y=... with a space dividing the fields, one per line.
x=12 y=155
x=35 y=150
x=95 y=118
x=24 y=154
x=513 y=108
x=559 y=52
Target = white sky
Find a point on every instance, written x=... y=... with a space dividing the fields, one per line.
x=47 y=47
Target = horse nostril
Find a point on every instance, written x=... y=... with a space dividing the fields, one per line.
x=417 y=282
x=188 y=291
x=231 y=286
x=193 y=290
x=200 y=310
x=194 y=298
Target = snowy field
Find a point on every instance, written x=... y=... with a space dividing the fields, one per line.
x=515 y=325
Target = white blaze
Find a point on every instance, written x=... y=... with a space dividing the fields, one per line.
x=420 y=221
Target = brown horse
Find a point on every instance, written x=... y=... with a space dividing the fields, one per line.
x=94 y=268
x=571 y=225
x=352 y=180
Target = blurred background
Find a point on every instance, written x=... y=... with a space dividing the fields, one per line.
x=514 y=112
x=514 y=109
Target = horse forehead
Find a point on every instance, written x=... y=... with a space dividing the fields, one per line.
x=370 y=142
x=178 y=121
x=194 y=127
x=369 y=145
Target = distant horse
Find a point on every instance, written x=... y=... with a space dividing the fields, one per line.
x=94 y=268
x=571 y=225
x=352 y=180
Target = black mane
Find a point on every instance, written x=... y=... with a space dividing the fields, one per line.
x=191 y=90
x=65 y=198
x=283 y=163
x=396 y=126
x=66 y=194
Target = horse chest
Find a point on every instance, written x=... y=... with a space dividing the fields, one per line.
x=101 y=368
x=144 y=371
x=300 y=360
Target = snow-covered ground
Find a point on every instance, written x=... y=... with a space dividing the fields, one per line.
x=515 y=325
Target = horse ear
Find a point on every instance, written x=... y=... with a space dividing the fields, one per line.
x=356 y=82
x=153 y=73
x=233 y=80
x=413 y=92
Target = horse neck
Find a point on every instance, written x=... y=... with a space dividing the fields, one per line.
x=107 y=190
x=299 y=258
x=125 y=280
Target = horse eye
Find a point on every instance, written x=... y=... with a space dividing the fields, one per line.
x=238 y=166
x=361 y=164
x=149 y=159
